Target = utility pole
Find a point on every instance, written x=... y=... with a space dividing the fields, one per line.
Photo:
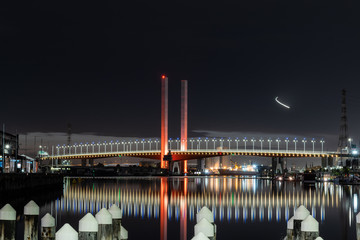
x=69 y=134
x=3 y=148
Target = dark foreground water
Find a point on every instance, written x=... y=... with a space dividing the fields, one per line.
x=165 y=208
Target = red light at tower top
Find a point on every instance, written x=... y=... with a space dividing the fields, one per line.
x=163 y=76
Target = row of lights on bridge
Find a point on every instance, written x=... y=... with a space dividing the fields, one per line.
x=198 y=141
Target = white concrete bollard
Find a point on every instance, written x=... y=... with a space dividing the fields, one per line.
x=48 y=227
x=300 y=214
x=66 y=232
x=31 y=220
x=123 y=233
x=290 y=229
x=319 y=238
x=116 y=215
x=104 y=220
x=205 y=213
x=358 y=226
x=88 y=228
x=7 y=222
x=200 y=236
x=208 y=215
x=206 y=228
x=309 y=229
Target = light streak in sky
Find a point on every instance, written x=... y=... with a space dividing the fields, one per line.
x=282 y=104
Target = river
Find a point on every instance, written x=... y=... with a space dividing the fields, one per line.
x=165 y=208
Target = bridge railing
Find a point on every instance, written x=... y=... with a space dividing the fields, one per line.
x=146 y=152
x=270 y=145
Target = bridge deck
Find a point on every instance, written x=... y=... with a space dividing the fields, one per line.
x=195 y=154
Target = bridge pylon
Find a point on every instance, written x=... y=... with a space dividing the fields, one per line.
x=184 y=120
x=164 y=119
x=278 y=165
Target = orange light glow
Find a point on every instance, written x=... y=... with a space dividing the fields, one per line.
x=163 y=76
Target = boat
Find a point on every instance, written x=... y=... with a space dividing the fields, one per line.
x=309 y=177
x=246 y=171
x=324 y=177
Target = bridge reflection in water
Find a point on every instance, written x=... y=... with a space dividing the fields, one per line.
x=230 y=199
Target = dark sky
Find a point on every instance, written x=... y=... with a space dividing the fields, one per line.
x=98 y=65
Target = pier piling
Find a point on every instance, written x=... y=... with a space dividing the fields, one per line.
x=206 y=228
x=48 y=227
x=7 y=222
x=116 y=214
x=123 y=233
x=104 y=220
x=88 y=228
x=309 y=229
x=31 y=221
x=300 y=214
x=290 y=229
x=200 y=236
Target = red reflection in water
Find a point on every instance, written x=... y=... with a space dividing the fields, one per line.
x=183 y=212
x=163 y=208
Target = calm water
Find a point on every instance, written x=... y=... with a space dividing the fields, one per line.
x=165 y=208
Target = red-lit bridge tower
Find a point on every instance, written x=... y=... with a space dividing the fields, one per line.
x=184 y=119
x=164 y=120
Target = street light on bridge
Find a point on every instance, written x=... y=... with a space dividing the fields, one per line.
x=93 y=147
x=253 y=143
x=123 y=143
x=69 y=149
x=206 y=143
x=150 y=141
x=156 y=143
x=81 y=148
x=287 y=144
x=237 y=143
x=117 y=145
x=143 y=144
x=170 y=141
x=278 y=143
x=221 y=140
x=245 y=140
x=322 y=145
x=99 y=145
x=111 y=146
x=177 y=143
x=192 y=143
x=313 y=143
x=87 y=147
x=304 y=141
x=295 y=141
x=261 y=140
x=229 y=140
x=269 y=140
x=137 y=144
x=199 y=143
x=214 y=141
x=104 y=146
x=75 y=147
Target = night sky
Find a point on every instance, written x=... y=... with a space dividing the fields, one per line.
x=98 y=66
